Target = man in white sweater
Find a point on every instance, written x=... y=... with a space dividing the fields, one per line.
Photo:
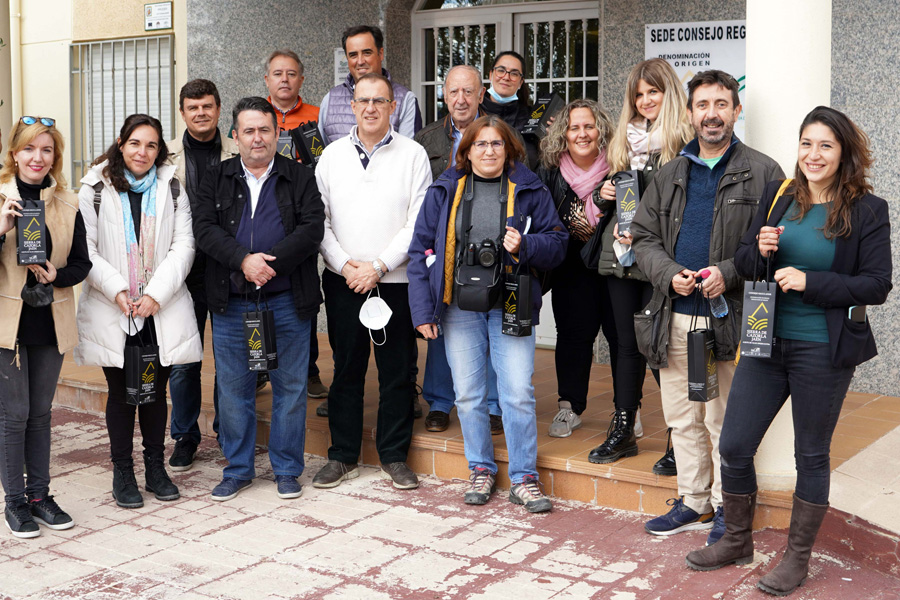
x=372 y=182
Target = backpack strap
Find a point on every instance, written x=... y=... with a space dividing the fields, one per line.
x=98 y=190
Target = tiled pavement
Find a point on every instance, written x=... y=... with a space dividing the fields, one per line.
x=366 y=540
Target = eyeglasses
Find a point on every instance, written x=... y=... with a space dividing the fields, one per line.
x=482 y=145
x=513 y=75
x=379 y=102
x=45 y=121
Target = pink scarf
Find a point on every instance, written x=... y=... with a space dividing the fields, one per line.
x=583 y=182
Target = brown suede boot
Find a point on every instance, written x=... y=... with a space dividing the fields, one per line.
x=806 y=518
x=736 y=546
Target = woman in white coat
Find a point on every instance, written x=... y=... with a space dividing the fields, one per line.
x=139 y=237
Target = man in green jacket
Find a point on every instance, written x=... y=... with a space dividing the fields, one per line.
x=691 y=219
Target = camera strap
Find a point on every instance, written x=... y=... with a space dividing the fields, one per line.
x=467 y=200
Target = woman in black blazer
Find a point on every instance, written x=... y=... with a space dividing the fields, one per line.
x=830 y=241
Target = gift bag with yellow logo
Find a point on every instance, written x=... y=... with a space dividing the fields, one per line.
x=141 y=366
x=703 y=376
x=259 y=332
x=758 y=330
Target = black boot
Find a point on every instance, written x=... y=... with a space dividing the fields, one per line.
x=666 y=465
x=620 y=441
x=158 y=480
x=125 y=489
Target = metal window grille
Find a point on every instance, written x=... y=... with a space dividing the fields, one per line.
x=111 y=80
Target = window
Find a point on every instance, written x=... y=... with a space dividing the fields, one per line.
x=111 y=80
x=561 y=46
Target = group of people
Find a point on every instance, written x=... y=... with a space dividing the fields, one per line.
x=420 y=230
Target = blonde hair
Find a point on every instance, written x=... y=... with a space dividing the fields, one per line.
x=555 y=143
x=672 y=123
x=21 y=136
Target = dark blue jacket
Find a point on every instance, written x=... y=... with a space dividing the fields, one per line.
x=543 y=249
x=859 y=276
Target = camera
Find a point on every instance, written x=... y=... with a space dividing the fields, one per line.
x=483 y=253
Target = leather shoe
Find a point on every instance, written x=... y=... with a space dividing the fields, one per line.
x=496 y=425
x=437 y=421
x=333 y=473
x=402 y=476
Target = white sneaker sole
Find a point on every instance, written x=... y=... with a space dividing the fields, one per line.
x=231 y=496
x=26 y=535
x=291 y=495
x=180 y=468
x=688 y=527
x=61 y=527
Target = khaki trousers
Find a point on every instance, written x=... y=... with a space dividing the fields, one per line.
x=694 y=424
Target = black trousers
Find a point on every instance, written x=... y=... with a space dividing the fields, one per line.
x=120 y=415
x=351 y=344
x=581 y=308
x=628 y=296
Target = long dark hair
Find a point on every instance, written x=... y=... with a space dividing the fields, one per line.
x=115 y=169
x=851 y=180
x=523 y=92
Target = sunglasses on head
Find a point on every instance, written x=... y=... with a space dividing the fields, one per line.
x=45 y=121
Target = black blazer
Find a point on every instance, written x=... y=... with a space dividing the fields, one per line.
x=860 y=274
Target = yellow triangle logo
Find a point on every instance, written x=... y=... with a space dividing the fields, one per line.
x=33 y=230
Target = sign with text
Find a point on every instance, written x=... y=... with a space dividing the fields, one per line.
x=341 y=67
x=157 y=16
x=694 y=47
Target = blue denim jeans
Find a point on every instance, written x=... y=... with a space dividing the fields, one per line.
x=437 y=387
x=803 y=371
x=185 y=390
x=469 y=338
x=237 y=389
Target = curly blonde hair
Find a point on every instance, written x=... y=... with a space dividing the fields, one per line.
x=555 y=143
x=672 y=122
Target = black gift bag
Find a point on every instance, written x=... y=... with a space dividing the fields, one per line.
x=703 y=376
x=141 y=368
x=259 y=332
x=758 y=328
x=517 y=305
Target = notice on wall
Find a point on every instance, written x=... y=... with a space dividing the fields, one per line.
x=694 y=47
x=341 y=68
x=157 y=16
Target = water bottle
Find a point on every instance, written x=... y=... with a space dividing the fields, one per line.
x=429 y=258
x=717 y=306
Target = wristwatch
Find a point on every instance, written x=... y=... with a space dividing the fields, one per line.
x=377 y=266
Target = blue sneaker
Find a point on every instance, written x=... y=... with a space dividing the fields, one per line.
x=288 y=487
x=229 y=488
x=718 y=528
x=679 y=518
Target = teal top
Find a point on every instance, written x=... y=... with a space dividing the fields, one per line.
x=712 y=162
x=803 y=246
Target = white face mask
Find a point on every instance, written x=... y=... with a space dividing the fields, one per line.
x=374 y=314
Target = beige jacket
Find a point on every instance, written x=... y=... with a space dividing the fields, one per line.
x=61 y=209
x=176 y=154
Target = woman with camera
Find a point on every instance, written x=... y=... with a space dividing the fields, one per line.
x=37 y=317
x=139 y=236
x=653 y=128
x=489 y=223
x=830 y=241
x=573 y=163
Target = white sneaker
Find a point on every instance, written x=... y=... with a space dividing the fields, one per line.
x=638 y=428
x=565 y=421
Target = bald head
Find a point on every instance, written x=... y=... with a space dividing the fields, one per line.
x=463 y=92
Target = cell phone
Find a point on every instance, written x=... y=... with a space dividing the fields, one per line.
x=857 y=314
